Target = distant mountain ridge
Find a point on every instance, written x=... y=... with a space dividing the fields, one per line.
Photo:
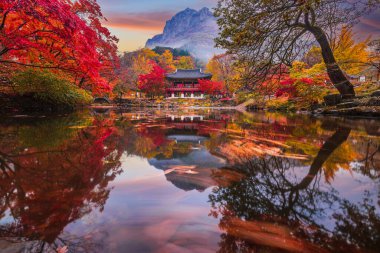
x=190 y=30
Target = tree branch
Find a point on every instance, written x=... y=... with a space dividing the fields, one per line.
x=3 y=21
x=35 y=66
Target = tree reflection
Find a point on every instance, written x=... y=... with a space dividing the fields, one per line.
x=358 y=224
x=45 y=187
x=273 y=210
x=55 y=171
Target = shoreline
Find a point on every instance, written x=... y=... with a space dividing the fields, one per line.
x=347 y=113
x=362 y=107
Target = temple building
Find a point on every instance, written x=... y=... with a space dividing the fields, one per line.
x=184 y=83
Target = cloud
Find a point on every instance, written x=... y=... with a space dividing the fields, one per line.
x=369 y=25
x=141 y=21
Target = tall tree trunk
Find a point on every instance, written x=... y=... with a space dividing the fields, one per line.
x=337 y=77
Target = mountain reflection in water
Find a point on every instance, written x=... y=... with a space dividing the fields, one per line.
x=192 y=181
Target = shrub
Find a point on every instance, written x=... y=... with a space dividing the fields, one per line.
x=48 y=88
x=281 y=104
x=244 y=96
x=304 y=91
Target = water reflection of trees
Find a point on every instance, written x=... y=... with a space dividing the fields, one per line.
x=147 y=135
x=272 y=209
x=238 y=137
x=47 y=184
x=53 y=172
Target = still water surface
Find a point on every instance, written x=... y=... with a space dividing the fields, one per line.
x=190 y=181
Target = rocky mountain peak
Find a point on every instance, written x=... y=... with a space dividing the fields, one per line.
x=206 y=12
x=190 y=30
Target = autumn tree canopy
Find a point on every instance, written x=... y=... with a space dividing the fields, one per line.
x=223 y=69
x=264 y=34
x=350 y=55
x=134 y=66
x=153 y=83
x=166 y=61
x=184 y=62
x=58 y=35
x=211 y=87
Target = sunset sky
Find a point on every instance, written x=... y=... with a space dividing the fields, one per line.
x=135 y=21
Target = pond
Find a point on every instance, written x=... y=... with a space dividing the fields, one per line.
x=189 y=181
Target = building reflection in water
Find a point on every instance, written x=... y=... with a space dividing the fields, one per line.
x=191 y=166
x=273 y=184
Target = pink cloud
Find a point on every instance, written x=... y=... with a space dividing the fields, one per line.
x=146 y=21
x=369 y=25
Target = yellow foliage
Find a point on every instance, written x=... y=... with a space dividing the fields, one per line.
x=140 y=64
x=298 y=69
x=317 y=69
x=212 y=67
x=166 y=61
x=223 y=70
x=350 y=56
x=339 y=159
x=280 y=104
x=148 y=53
x=184 y=62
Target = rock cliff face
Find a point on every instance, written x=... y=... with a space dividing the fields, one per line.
x=190 y=30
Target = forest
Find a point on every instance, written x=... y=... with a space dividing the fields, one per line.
x=66 y=57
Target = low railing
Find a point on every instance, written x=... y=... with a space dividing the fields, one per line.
x=185 y=86
x=183 y=89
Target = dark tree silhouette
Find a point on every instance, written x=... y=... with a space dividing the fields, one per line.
x=272 y=203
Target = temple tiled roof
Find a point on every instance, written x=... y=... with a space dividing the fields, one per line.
x=188 y=74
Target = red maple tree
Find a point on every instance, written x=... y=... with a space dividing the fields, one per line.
x=211 y=87
x=295 y=87
x=153 y=83
x=58 y=35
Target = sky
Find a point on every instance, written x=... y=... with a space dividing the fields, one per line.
x=135 y=21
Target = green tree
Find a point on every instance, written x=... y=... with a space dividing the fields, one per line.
x=50 y=89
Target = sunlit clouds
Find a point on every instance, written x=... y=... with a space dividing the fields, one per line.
x=144 y=21
x=369 y=26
